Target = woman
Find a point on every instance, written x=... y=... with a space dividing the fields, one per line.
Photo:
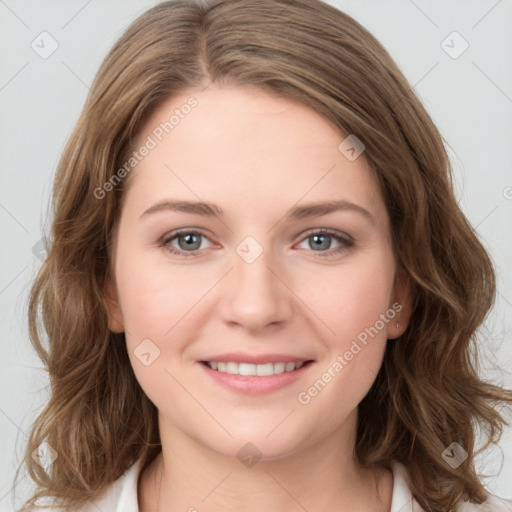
x=263 y=367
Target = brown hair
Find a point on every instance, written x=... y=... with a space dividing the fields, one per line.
x=427 y=393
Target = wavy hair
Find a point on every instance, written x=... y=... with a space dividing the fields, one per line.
x=427 y=393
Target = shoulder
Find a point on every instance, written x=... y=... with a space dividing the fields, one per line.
x=119 y=496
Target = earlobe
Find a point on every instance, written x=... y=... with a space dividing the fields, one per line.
x=115 y=316
x=402 y=306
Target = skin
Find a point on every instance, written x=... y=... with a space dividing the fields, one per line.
x=256 y=156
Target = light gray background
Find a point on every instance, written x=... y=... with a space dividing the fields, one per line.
x=469 y=97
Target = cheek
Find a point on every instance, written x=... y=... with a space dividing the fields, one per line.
x=156 y=303
x=352 y=298
x=155 y=296
x=357 y=302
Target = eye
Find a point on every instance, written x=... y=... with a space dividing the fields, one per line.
x=188 y=242
x=322 y=239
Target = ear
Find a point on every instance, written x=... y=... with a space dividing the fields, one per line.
x=115 y=316
x=401 y=304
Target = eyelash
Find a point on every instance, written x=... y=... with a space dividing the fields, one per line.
x=345 y=240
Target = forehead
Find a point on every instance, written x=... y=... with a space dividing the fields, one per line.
x=248 y=148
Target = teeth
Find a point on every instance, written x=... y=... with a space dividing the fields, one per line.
x=232 y=368
x=279 y=367
x=246 y=369
x=289 y=367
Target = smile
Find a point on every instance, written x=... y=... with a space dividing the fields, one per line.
x=248 y=369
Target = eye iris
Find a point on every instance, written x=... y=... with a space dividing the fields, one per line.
x=316 y=238
x=191 y=239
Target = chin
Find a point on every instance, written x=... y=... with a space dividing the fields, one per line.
x=250 y=443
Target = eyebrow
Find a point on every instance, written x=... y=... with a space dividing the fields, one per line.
x=299 y=212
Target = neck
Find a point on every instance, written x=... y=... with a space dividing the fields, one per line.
x=187 y=476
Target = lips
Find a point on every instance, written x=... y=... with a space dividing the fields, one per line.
x=240 y=357
x=255 y=374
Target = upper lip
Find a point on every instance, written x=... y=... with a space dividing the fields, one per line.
x=239 y=357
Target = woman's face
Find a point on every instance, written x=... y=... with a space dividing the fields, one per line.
x=266 y=277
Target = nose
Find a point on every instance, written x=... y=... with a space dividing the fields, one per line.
x=255 y=294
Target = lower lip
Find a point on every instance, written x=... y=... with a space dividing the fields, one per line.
x=254 y=385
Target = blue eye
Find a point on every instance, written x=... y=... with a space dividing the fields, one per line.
x=189 y=242
x=322 y=240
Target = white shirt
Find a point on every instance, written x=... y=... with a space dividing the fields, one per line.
x=121 y=495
